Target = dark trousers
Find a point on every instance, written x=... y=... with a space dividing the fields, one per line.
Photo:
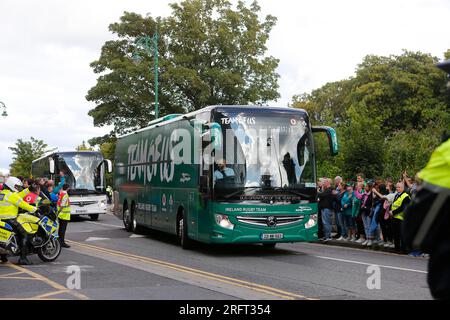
x=18 y=229
x=360 y=226
x=62 y=230
x=439 y=271
x=320 y=225
x=21 y=236
x=386 y=229
x=397 y=235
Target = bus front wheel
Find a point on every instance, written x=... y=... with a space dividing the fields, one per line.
x=94 y=217
x=127 y=220
x=185 y=242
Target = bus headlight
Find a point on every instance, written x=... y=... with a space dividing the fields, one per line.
x=102 y=204
x=223 y=221
x=311 y=222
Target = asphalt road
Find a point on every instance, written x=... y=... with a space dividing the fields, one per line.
x=114 y=264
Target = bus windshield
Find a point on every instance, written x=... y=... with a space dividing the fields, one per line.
x=83 y=170
x=263 y=153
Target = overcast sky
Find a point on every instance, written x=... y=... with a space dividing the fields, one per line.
x=46 y=47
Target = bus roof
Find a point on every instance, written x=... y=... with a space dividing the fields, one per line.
x=176 y=117
x=49 y=154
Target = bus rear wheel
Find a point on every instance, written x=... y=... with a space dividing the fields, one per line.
x=183 y=237
x=135 y=227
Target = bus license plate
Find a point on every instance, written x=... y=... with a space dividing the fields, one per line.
x=81 y=211
x=271 y=236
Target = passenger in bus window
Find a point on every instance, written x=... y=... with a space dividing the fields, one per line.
x=222 y=171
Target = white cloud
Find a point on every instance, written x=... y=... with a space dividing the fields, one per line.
x=47 y=46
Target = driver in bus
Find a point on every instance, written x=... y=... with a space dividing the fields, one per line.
x=222 y=171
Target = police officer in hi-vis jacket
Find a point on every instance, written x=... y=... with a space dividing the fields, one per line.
x=63 y=214
x=427 y=220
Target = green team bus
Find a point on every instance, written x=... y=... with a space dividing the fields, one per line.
x=222 y=174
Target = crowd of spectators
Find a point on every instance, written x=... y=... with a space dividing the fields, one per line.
x=39 y=188
x=365 y=212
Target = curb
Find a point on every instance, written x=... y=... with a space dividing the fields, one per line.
x=377 y=248
x=347 y=244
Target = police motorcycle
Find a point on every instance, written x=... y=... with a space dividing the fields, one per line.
x=42 y=228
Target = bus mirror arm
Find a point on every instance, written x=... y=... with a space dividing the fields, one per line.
x=51 y=166
x=109 y=166
x=203 y=184
x=332 y=138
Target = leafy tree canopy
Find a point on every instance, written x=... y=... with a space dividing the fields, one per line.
x=24 y=152
x=389 y=116
x=209 y=53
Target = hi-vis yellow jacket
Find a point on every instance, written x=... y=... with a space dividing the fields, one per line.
x=64 y=206
x=10 y=203
x=397 y=204
x=436 y=180
x=437 y=171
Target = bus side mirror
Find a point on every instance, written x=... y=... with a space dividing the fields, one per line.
x=203 y=184
x=211 y=134
x=216 y=135
x=332 y=138
x=51 y=166
x=109 y=165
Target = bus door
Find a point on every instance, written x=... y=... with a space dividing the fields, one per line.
x=149 y=205
x=193 y=215
x=165 y=218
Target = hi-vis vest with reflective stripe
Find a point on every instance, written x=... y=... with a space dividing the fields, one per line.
x=437 y=171
x=436 y=179
x=63 y=206
x=397 y=204
x=10 y=203
x=24 y=193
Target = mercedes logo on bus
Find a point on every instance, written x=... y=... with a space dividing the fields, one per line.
x=271 y=221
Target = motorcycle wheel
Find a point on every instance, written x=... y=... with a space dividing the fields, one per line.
x=51 y=251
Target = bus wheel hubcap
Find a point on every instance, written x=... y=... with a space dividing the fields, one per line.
x=127 y=217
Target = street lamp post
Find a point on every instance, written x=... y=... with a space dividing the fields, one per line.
x=4 y=113
x=151 y=45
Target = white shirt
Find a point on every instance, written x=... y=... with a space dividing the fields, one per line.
x=228 y=173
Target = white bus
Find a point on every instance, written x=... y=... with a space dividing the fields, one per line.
x=85 y=174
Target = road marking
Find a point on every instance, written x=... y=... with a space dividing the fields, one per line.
x=105 y=224
x=371 y=264
x=19 y=278
x=137 y=236
x=45 y=295
x=198 y=273
x=96 y=239
x=51 y=283
x=11 y=274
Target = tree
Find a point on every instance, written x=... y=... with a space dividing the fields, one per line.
x=84 y=147
x=108 y=149
x=209 y=53
x=326 y=105
x=24 y=152
x=406 y=91
x=389 y=117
